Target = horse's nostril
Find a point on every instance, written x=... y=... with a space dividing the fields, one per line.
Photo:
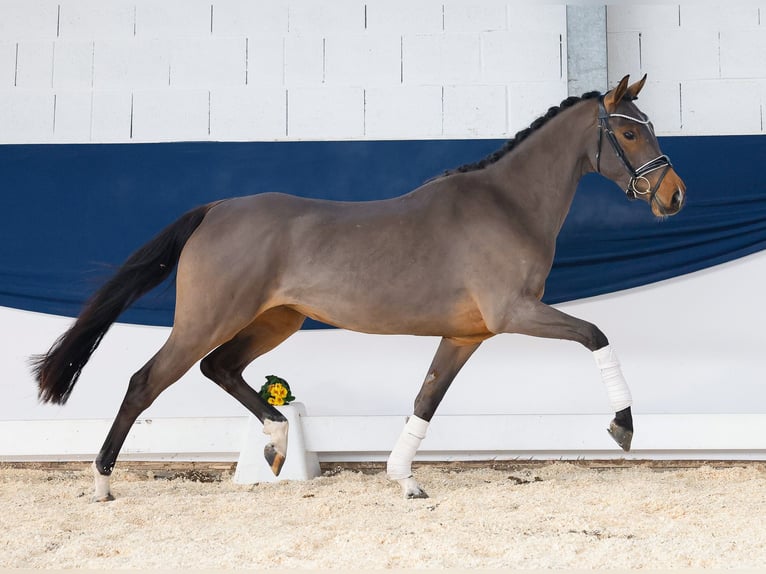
x=677 y=200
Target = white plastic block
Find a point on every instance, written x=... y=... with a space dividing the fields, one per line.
x=323 y=17
x=363 y=60
x=475 y=111
x=537 y=17
x=131 y=64
x=743 y=53
x=680 y=54
x=463 y=16
x=248 y=114
x=623 y=56
x=111 y=116
x=403 y=112
x=405 y=16
x=72 y=116
x=300 y=464
x=528 y=101
x=265 y=60
x=25 y=20
x=171 y=115
x=248 y=18
x=721 y=107
x=522 y=57
x=661 y=101
x=720 y=16
x=7 y=64
x=34 y=64
x=208 y=63
x=629 y=17
x=72 y=64
x=304 y=60
x=26 y=116
x=173 y=18
x=439 y=59
x=87 y=19
x=325 y=113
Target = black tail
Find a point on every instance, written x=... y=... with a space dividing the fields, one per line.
x=57 y=370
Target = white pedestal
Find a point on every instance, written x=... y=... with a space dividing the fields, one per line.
x=299 y=464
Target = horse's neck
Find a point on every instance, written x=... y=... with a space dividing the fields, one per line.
x=545 y=169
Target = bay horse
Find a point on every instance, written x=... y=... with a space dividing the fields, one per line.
x=463 y=257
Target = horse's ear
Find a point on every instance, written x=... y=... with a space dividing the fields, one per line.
x=632 y=91
x=613 y=97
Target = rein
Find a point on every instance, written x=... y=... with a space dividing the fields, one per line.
x=637 y=174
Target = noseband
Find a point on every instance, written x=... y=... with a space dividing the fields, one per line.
x=636 y=174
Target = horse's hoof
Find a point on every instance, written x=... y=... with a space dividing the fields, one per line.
x=274 y=458
x=621 y=435
x=103 y=498
x=411 y=488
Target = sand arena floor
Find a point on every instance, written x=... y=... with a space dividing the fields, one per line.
x=543 y=515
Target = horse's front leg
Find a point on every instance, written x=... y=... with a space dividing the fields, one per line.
x=532 y=317
x=450 y=357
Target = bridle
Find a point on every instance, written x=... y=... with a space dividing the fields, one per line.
x=636 y=174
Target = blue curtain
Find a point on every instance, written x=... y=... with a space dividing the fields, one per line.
x=72 y=213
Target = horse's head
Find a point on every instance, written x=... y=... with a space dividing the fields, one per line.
x=629 y=155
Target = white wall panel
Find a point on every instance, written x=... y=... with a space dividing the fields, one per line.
x=724 y=16
x=363 y=60
x=72 y=115
x=475 y=110
x=391 y=111
x=72 y=64
x=209 y=62
x=7 y=64
x=680 y=54
x=131 y=64
x=624 y=54
x=743 y=53
x=522 y=56
x=336 y=17
x=527 y=102
x=170 y=115
x=265 y=60
x=248 y=113
x=707 y=108
x=28 y=20
x=26 y=115
x=629 y=17
x=537 y=17
x=439 y=59
x=34 y=64
x=250 y=18
x=96 y=19
x=463 y=16
x=111 y=117
x=325 y=113
x=304 y=60
x=405 y=16
x=173 y=18
x=661 y=101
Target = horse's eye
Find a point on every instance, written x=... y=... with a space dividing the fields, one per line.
x=629 y=135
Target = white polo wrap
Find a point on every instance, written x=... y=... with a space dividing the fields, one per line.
x=400 y=461
x=616 y=388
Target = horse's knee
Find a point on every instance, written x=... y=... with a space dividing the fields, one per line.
x=216 y=372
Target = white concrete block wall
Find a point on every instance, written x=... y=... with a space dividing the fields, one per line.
x=706 y=64
x=360 y=69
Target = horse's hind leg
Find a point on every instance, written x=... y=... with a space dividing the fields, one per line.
x=225 y=365
x=449 y=359
x=162 y=370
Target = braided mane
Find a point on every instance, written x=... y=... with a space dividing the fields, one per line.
x=522 y=135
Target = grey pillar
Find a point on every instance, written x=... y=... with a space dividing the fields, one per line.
x=586 y=49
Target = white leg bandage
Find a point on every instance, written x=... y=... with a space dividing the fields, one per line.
x=400 y=461
x=616 y=388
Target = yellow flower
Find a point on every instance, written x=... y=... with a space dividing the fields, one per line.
x=278 y=391
x=276 y=401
